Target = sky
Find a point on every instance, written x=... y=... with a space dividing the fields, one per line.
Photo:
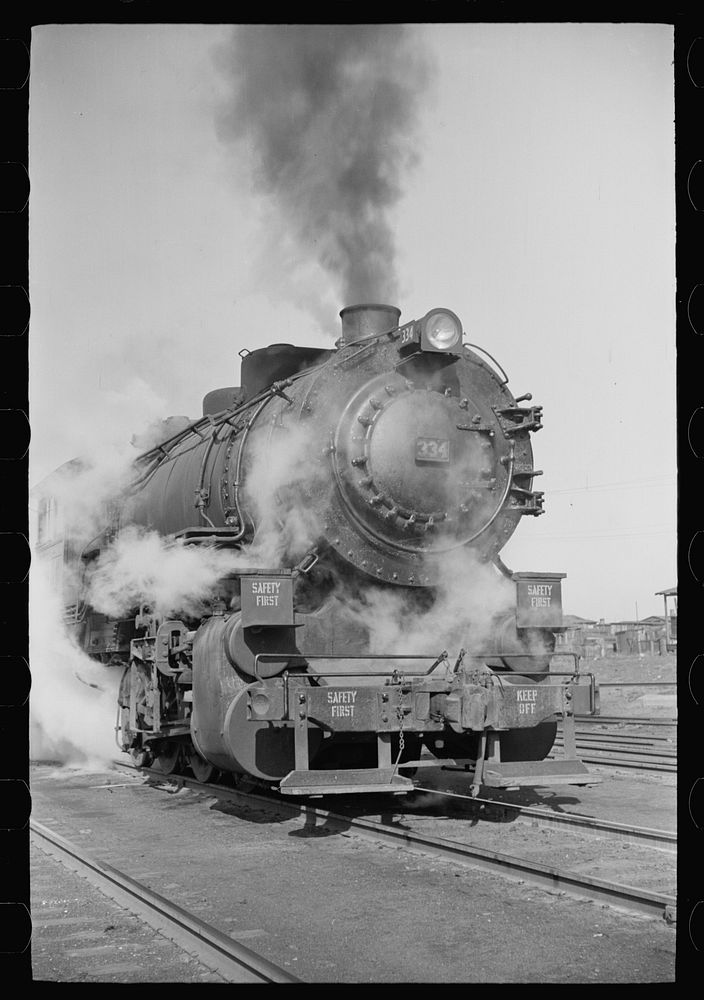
x=536 y=201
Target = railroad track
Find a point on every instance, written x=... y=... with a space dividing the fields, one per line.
x=639 y=739
x=657 y=743
x=534 y=873
x=645 y=741
x=627 y=744
x=232 y=960
x=618 y=720
x=614 y=751
x=663 y=840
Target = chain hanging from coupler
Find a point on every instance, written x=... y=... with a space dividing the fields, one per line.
x=400 y=716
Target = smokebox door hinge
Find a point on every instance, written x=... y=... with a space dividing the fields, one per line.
x=515 y=419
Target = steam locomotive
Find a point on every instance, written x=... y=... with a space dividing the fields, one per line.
x=372 y=481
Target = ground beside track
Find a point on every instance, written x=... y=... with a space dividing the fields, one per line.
x=650 y=668
x=80 y=935
x=333 y=907
x=627 y=801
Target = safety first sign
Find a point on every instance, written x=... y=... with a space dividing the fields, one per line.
x=267 y=600
x=539 y=599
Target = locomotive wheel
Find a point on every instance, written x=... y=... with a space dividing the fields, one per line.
x=141 y=757
x=528 y=744
x=166 y=761
x=202 y=769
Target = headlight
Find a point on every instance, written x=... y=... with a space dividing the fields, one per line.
x=441 y=330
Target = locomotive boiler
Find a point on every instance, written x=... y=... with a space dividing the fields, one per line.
x=374 y=480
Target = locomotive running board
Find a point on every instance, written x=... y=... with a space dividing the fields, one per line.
x=339 y=782
x=538 y=772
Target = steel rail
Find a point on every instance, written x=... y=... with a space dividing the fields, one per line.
x=635 y=739
x=584 y=887
x=664 y=840
x=637 y=684
x=616 y=720
x=235 y=962
x=608 y=758
x=627 y=749
x=637 y=755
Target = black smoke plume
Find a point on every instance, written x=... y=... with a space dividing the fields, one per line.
x=328 y=115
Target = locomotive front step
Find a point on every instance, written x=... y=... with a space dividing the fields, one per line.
x=358 y=780
x=566 y=771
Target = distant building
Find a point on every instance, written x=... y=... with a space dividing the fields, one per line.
x=574 y=621
x=585 y=636
x=640 y=637
x=592 y=638
x=670 y=598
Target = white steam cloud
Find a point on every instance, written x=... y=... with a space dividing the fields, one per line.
x=73 y=701
x=175 y=577
x=129 y=424
x=141 y=567
x=279 y=478
x=469 y=595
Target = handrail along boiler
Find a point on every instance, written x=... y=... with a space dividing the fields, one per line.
x=407 y=451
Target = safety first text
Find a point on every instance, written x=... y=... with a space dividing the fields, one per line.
x=266 y=593
x=341 y=704
x=540 y=595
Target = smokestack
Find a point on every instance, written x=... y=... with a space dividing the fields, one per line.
x=366 y=320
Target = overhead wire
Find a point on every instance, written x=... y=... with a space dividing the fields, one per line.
x=623 y=484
